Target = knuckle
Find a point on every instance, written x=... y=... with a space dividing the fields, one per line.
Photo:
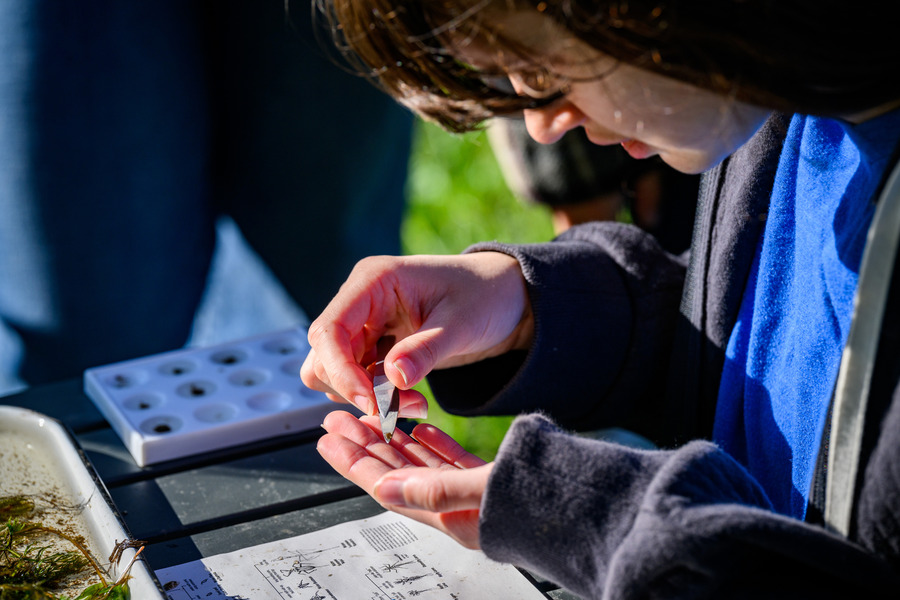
x=370 y=266
x=429 y=351
x=457 y=454
x=321 y=373
x=434 y=496
x=308 y=376
x=315 y=332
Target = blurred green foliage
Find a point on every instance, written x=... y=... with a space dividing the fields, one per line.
x=457 y=197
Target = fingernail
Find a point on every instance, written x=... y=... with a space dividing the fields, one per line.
x=390 y=491
x=406 y=369
x=364 y=404
x=415 y=412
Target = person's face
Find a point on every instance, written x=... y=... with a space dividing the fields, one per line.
x=691 y=129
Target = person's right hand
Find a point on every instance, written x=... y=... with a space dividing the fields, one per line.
x=442 y=311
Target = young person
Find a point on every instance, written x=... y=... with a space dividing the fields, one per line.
x=791 y=110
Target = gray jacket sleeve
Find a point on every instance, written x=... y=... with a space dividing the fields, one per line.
x=605 y=299
x=686 y=523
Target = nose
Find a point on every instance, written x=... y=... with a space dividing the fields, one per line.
x=548 y=124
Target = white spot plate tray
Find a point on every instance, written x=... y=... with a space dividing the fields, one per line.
x=194 y=400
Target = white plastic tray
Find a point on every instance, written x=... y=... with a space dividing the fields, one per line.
x=190 y=401
x=39 y=458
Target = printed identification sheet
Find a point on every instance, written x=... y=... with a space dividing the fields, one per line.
x=387 y=557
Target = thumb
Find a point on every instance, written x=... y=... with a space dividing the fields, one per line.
x=447 y=337
x=435 y=490
x=413 y=357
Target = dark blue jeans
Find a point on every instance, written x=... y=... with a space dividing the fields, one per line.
x=127 y=128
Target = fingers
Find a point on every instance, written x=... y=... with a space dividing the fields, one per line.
x=413 y=404
x=365 y=432
x=476 y=306
x=350 y=376
x=352 y=461
x=411 y=359
x=355 y=449
x=445 y=446
x=357 y=452
x=432 y=489
x=344 y=337
x=443 y=311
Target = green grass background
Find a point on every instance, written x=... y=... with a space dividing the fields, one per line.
x=457 y=196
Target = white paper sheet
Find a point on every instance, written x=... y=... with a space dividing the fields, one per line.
x=387 y=557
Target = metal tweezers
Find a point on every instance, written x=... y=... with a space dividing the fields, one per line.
x=388 y=398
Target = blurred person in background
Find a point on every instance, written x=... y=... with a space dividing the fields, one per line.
x=130 y=130
x=581 y=182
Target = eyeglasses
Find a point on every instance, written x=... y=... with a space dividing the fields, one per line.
x=536 y=84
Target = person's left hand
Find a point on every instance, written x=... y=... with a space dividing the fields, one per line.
x=431 y=478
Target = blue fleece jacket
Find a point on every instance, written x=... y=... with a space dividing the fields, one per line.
x=784 y=352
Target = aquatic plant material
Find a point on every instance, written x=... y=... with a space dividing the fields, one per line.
x=40 y=562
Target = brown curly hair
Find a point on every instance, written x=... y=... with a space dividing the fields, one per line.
x=812 y=56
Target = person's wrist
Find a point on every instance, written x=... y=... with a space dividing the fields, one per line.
x=522 y=336
x=507 y=296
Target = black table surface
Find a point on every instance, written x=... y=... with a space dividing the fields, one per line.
x=218 y=501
